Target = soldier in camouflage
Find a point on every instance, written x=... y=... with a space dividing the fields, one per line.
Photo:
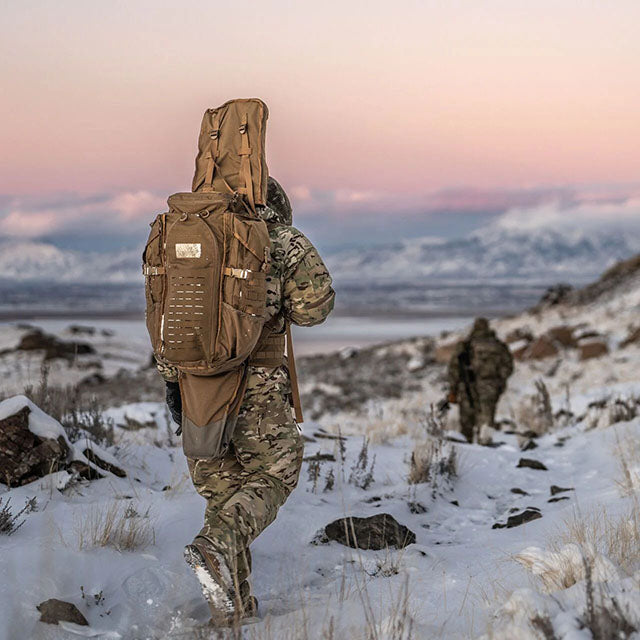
x=478 y=372
x=246 y=488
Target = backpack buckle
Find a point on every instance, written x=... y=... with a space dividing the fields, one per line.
x=243 y=128
x=214 y=135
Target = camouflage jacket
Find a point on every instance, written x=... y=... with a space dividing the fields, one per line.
x=298 y=285
x=482 y=357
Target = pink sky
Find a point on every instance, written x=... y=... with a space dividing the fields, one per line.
x=365 y=96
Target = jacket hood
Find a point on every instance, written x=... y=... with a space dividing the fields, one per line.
x=278 y=207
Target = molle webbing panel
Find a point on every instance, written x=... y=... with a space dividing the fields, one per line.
x=231 y=150
x=206 y=265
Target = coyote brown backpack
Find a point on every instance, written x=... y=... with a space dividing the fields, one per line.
x=205 y=266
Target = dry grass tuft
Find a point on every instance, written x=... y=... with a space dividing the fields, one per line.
x=123 y=527
x=627 y=453
x=615 y=537
x=535 y=412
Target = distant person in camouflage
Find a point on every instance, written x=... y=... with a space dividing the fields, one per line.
x=246 y=488
x=478 y=374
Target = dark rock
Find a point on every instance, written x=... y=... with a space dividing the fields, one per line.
x=320 y=457
x=520 y=492
x=593 y=349
x=563 y=335
x=633 y=337
x=540 y=349
x=529 y=445
x=519 y=334
x=521 y=518
x=53 y=347
x=24 y=456
x=557 y=294
x=78 y=329
x=554 y=489
x=107 y=466
x=530 y=463
x=417 y=507
x=455 y=503
x=83 y=470
x=381 y=531
x=323 y=435
x=54 y=611
x=558 y=499
x=94 y=380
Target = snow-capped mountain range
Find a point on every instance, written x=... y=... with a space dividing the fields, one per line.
x=493 y=254
x=39 y=261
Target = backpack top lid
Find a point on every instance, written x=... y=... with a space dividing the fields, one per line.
x=231 y=150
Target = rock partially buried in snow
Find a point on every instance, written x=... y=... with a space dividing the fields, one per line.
x=54 y=611
x=53 y=347
x=519 y=518
x=593 y=349
x=554 y=489
x=381 y=531
x=563 y=335
x=530 y=463
x=540 y=349
x=33 y=445
x=24 y=456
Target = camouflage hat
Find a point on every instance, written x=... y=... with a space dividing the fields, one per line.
x=278 y=200
x=481 y=325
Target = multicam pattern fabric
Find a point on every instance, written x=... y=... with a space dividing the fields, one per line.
x=478 y=384
x=246 y=488
x=298 y=285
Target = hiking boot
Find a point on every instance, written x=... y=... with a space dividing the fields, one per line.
x=215 y=580
x=250 y=608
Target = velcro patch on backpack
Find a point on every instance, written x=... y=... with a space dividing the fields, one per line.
x=188 y=250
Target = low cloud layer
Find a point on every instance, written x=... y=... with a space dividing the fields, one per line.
x=584 y=216
x=333 y=218
x=31 y=217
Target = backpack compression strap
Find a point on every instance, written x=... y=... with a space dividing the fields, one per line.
x=245 y=161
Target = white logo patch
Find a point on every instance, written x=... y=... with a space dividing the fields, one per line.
x=188 y=250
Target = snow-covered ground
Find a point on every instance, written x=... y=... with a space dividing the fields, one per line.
x=462 y=578
x=460 y=575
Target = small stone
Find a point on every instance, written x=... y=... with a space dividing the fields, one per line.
x=520 y=492
x=540 y=349
x=558 y=499
x=593 y=349
x=554 y=489
x=381 y=531
x=54 y=611
x=530 y=463
x=521 y=518
x=320 y=457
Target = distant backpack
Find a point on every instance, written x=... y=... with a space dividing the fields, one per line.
x=207 y=258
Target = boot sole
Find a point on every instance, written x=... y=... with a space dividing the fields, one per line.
x=214 y=593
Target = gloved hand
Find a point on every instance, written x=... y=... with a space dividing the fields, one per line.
x=174 y=402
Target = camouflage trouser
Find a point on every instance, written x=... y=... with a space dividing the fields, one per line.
x=478 y=410
x=246 y=488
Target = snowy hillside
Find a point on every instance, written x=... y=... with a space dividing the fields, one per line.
x=534 y=538
x=28 y=260
x=494 y=253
